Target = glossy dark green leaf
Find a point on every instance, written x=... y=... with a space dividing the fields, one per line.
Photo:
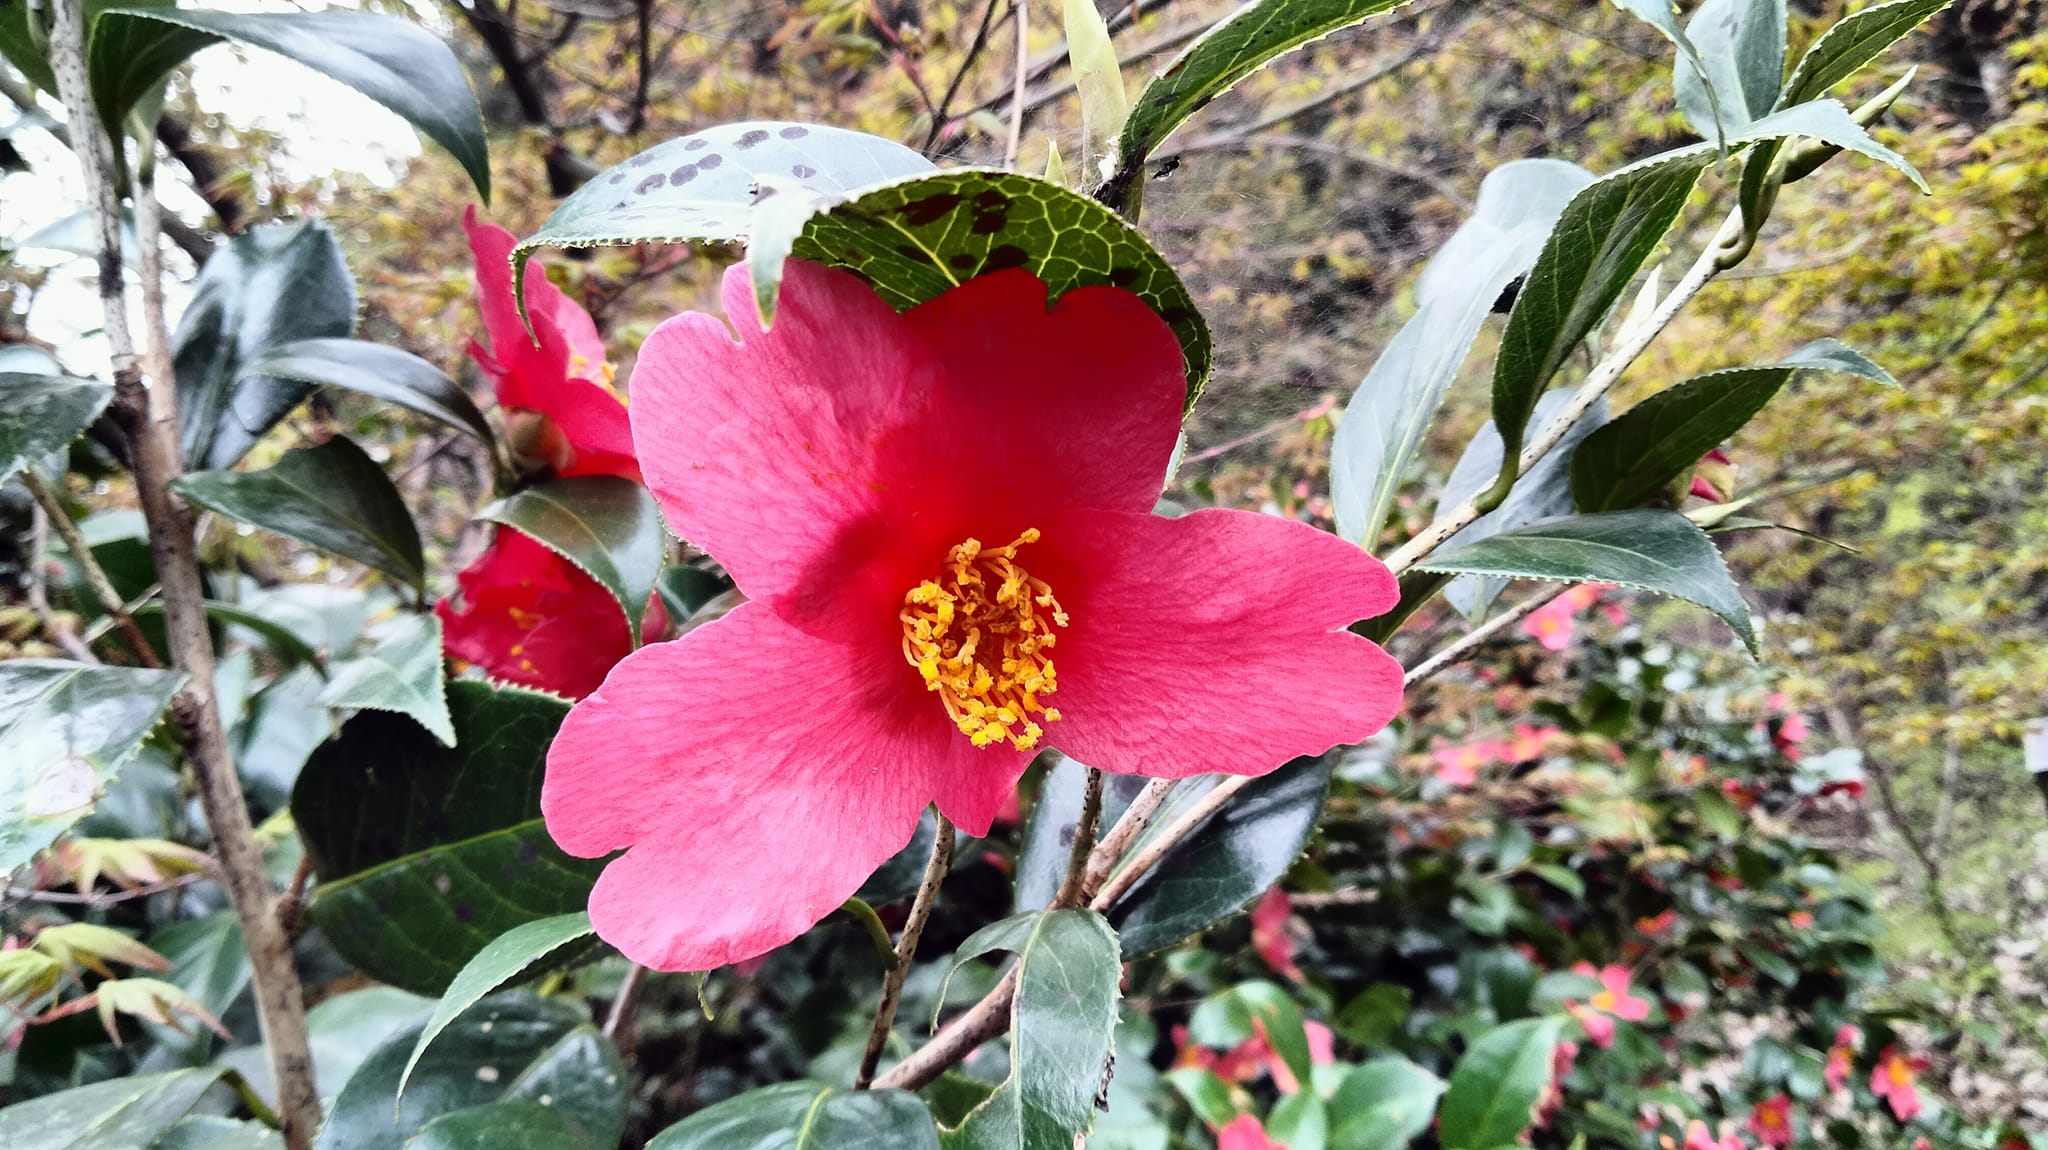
x=904 y=872
x=1599 y=244
x=1392 y=410
x=1049 y=837
x=1651 y=550
x=281 y=641
x=1852 y=42
x=1741 y=43
x=608 y=526
x=1239 y=852
x=395 y=62
x=1641 y=454
x=112 y=1115
x=1237 y=46
x=427 y=853
x=1382 y=1105
x=212 y=1132
x=29 y=53
x=1062 y=1030
x=381 y=372
x=40 y=414
x=805 y=1116
x=271 y=285
x=1496 y=1084
x=509 y=957
x=513 y=1047
x=342 y=1031
x=516 y=1125
x=403 y=673
x=65 y=730
x=1544 y=493
x=331 y=496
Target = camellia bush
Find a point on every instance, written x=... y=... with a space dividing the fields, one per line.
x=849 y=743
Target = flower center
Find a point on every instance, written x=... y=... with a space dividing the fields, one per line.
x=979 y=634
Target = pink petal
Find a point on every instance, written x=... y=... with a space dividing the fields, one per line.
x=830 y=462
x=1213 y=642
x=757 y=774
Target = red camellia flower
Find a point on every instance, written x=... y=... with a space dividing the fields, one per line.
x=1244 y=1132
x=1271 y=936
x=1895 y=1079
x=1771 y=1121
x=525 y=614
x=942 y=523
x=1610 y=1002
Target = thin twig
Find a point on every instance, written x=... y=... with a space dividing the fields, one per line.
x=39 y=590
x=149 y=418
x=98 y=900
x=1073 y=888
x=974 y=47
x=906 y=953
x=95 y=577
x=1597 y=383
x=1022 y=9
x=1477 y=637
x=618 y=1021
x=1136 y=818
x=294 y=900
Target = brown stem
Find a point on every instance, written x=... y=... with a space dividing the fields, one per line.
x=1073 y=888
x=618 y=1022
x=1126 y=831
x=148 y=416
x=1476 y=638
x=95 y=578
x=1022 y=9
x=906 y=951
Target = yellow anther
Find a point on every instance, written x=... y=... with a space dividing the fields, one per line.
x=979 y=635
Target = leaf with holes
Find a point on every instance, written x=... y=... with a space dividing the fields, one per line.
x=805 y=1116
x=395 y=62
x=427 y=853
x=331 y=496
x=1227 y=862
x=387 y=373
x=1496 y=1085
x=509 y=957
x=402 y=674
x=271 y=285
x=1651 y=550
x=514 y=1047
x=40 y=414
x=65 y=731
x=1237 y=46
x=1390 y=413
x=1062 y=1029
x=121 y=1112
x=607 y=526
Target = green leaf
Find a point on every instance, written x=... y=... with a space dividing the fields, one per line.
x=1663 y=16
x=1062 y=1026
x=212 y=1132
x=65 y=730
x=515 y=1125
x=1741 y=43
x=1383 y=1104
x=1391 y=412
x=342 y=1032
x=397 y=63
x=1829 y=122
x=1239 y=852
x=1852 y=42
x=1375 y=1016
x=1600 y=242
x=40 y=414
x=388 y=373
x=1651 y=550
x=402 y=673
x=607 y=526
x=1251 y=1008
x=331 y=496
x=271 y=285
x=509 y=957
x=1049 y=837
x=111 y=1115
x=805 y=1116
x=1496 y=1084
x=209 y=963
x=514 y=1047
x=1206 y=1094
x=1300 y=1121
x=1639 y=456
x=1237 y=46
x=280 y=639
x=428 y=853
x=1099 y=78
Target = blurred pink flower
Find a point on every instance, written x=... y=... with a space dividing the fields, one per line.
x=1554 y=623
x=1270 y=936
x=1459 y=765
x=1244 y=1133
x=1842 y=1058
x=1896 y=1080
x=1698 y=1137
x=1610 y=1002
x=1771 y=1121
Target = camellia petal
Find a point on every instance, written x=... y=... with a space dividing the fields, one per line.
x=758 y=775
x=530 y=617
x=830 y=462
x=1213 y=642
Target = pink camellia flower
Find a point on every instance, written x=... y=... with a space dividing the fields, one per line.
x=1270 y=936
x=1698 y=1137
x=1714 y=479
x=1800 y=920
x=1895 y=1079
x=1459 y=765
x=927 y=512
x=1771 y=1121
x=1842 y=1058
x=1554 y=623
x=1244 y=1132
x=1563 y=1057
x=1610 y=1002
x=1531 y=742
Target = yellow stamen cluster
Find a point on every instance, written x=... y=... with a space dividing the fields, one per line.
x=979 y=634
